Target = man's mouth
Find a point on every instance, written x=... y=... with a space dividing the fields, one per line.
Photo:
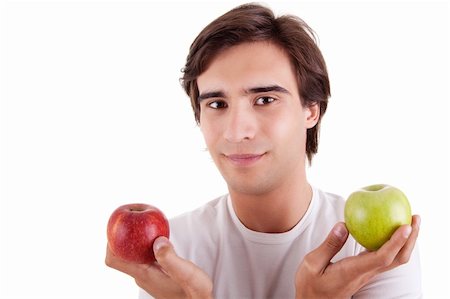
x=244 y=159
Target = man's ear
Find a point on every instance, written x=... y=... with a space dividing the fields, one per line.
x=312 y=115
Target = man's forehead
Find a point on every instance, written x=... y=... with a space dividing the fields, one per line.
x=248 y=68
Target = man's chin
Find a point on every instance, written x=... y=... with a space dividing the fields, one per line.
x=248 y=187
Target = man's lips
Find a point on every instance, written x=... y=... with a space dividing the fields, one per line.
x=244 y=159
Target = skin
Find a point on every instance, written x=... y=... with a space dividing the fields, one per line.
x=255 y=127
x=269 y=191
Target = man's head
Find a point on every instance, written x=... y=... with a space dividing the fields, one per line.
x=254 y=23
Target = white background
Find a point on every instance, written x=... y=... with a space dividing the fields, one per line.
x=93 y=116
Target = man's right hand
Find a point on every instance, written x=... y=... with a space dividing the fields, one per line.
x=170 y=277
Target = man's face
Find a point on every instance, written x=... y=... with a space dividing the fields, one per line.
x=252 y=119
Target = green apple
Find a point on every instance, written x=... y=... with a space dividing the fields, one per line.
x=373 y=213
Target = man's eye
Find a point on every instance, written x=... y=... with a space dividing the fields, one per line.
x=264 y=100
x=217 y=105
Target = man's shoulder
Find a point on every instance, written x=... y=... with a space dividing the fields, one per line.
x=203 y=220
x=207 y=212
x=194 y=233
x=327 y=199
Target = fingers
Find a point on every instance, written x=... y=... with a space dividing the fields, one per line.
x=385 y=256
x=393 y=246
x=320 y=257
x=117 y=263
x=350 y=274
x=406 y=251
x=394 y=252
x=191 y=278
x=171 y=277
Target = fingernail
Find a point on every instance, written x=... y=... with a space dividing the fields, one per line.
x=160 y=243
x=339 y=231
x=418 y=220
x=407 y=231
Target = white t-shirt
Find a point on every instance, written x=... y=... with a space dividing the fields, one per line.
x=248 y=264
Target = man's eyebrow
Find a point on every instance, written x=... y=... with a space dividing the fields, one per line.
x=211 y=94
x=269 y=88
x=258 y=89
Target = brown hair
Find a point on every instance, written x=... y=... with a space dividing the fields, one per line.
x=253 y=22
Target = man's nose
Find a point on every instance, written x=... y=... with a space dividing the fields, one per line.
x=241 y=124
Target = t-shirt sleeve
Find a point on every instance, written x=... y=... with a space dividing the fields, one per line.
x=402 y=282
x=144 y=295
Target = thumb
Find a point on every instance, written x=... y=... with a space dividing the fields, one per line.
x=165 y=255
x=190 y=277
x=322 y=255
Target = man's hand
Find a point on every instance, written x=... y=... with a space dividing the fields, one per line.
x=170 y=277
x=317 y=277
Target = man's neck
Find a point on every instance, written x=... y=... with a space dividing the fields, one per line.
x=274 y=212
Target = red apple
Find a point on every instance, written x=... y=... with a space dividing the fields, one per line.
x=132 y=229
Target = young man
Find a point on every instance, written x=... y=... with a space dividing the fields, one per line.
x=259 y=87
